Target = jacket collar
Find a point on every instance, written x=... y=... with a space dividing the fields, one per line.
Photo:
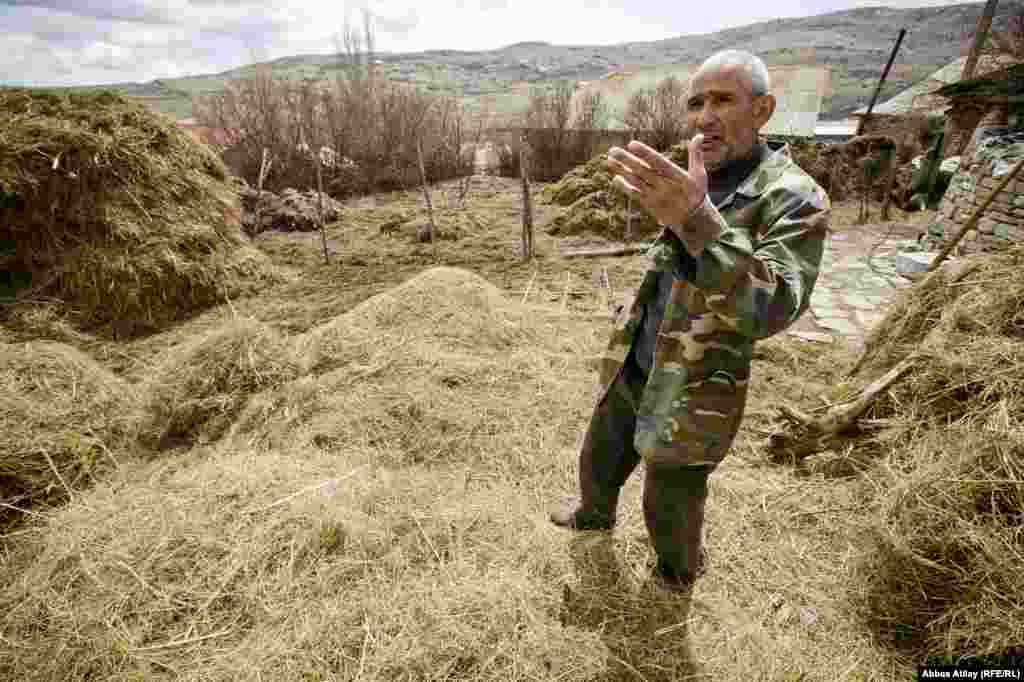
x=767 y=172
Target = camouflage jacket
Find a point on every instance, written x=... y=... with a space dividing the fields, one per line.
x=756 y=258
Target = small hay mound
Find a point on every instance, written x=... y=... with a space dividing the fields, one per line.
x=947 y=575
x=63 y=420
x=439 y=369
x=198 y=388
x=594 y=206
x=449 y=306
x=115 y=212
x=291 y=566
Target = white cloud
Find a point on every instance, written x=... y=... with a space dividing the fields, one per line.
x=51 y=42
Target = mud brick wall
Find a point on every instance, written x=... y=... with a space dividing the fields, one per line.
x=1003 y=221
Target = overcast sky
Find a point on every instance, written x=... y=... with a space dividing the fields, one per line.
x=72 y=42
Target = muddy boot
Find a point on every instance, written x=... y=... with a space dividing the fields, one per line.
x=674 y=499
x=607 y=458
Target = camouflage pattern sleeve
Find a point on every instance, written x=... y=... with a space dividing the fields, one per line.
x=758 y=286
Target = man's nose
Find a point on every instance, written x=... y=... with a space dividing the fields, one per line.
x=706 y=116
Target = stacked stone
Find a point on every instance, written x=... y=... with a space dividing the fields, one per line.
x=1003 y=221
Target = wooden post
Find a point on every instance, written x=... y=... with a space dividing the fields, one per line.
x=320 y=209
x=881 y=81
x=426 y=196
x=527 y=203
x=629 y=218
x=980 y=33
x=265 y=164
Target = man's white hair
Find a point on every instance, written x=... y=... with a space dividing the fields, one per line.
x=760 y=81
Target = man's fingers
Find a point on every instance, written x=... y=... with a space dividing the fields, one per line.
x=627 y=172
x=630 y=163
x=653 y=160
x=695 y=160
x=625 y=185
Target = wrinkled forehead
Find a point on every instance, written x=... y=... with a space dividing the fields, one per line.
x=728 y=77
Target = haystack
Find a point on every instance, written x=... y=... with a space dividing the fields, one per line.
x=115 y=212
x=594 y=206
x=197 y=389
x=63 y=420
x=945 y=577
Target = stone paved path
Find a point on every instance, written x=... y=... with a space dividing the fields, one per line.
x=857 y=281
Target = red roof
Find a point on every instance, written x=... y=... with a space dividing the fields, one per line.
x=220 y=137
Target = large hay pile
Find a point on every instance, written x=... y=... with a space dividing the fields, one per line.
x=374 y=519
x=593 y=206
x=116 y=212
x=946 y=576
x=63 y=419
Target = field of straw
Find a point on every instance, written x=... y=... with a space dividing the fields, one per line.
x=346 y=477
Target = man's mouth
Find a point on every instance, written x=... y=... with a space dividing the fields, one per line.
x=710 y=141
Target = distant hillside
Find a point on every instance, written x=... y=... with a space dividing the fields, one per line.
x=854 y=44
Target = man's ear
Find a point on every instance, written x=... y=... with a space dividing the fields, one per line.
x=764 y=107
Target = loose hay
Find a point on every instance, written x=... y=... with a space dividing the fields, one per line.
x=198 y=388
x=292 y=566
x=115 y=212
x=63 y=421
x=947 y=575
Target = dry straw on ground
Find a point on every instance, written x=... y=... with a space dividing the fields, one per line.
x=198 y=388
x=63 y=420
x=115 y=212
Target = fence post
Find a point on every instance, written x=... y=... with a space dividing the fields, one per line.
x=527 y=203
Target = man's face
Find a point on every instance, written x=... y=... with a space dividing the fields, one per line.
x=721 y=106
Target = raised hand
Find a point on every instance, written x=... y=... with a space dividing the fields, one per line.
x=667 y=191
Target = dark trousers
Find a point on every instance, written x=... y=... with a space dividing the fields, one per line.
x=673 y=495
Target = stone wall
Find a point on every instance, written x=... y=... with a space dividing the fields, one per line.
x=992 y=153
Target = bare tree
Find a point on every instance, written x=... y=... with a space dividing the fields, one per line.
x=659 y=113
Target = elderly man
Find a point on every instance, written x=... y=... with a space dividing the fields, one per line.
x=736 y=260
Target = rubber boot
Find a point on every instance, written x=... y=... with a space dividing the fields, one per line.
x=606 y=460
x=674 y=498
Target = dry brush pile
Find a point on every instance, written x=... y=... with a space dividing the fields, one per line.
x=115 y=213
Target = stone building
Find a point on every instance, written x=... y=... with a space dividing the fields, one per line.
x=990 y=149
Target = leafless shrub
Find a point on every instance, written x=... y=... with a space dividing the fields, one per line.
x=660 y=113
x=362 y=129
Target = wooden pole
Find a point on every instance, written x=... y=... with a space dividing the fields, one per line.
x=527 y=204
x=881 y=81
x=980 y=33
x=426 y=196
x=975 y=217
x=320 y=209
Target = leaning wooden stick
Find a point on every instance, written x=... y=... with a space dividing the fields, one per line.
x=975 y=217
x=811 y=435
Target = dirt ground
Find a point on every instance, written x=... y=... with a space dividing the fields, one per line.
x=365 y=260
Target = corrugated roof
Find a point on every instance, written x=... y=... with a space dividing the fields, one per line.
x=799 y=91
x=920 y=98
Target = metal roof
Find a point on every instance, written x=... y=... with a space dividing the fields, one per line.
x=920 y=98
